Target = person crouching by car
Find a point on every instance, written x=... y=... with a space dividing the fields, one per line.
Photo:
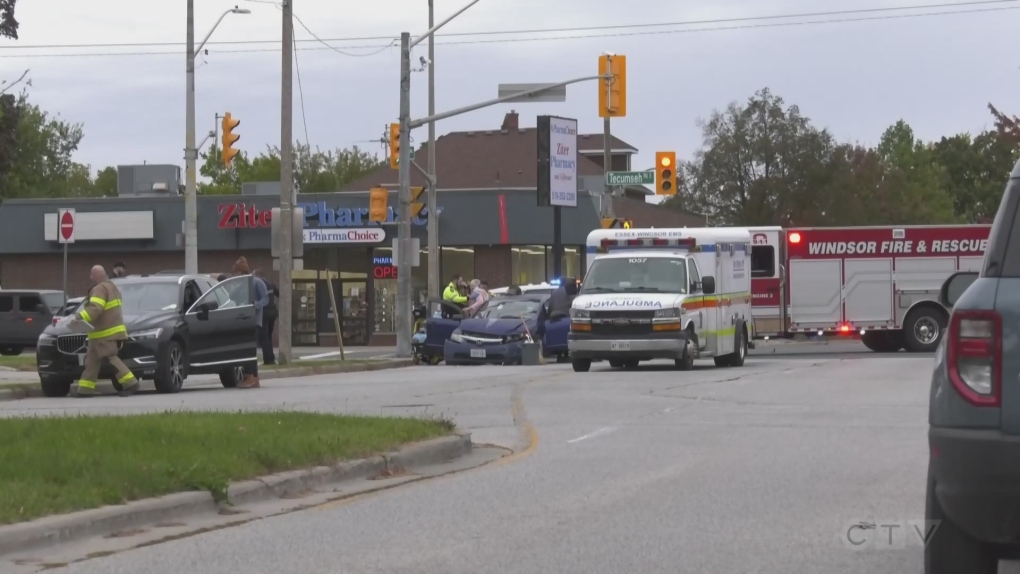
x=260 y=299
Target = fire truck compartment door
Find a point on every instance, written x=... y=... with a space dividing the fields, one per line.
x=868 y=291
x=814 y=292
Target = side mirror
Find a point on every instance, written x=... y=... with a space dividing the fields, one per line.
x=955 y=286
x=708 y=285
x=205 y=308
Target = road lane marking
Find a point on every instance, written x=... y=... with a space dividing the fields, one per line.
x=599 y=432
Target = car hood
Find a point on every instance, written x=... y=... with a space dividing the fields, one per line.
x=133 y=322
x=627 y=301
x=498 y=327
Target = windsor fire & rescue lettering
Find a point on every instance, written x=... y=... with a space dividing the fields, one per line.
x=948 y=246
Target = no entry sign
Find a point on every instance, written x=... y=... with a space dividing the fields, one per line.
x=65 y=225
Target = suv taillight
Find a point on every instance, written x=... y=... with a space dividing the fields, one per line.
x=974 y=356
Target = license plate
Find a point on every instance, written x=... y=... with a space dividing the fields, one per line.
x=81 y=360
x=619 y=346
x=477 y=353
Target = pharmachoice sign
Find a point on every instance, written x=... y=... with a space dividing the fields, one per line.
x=557 y=162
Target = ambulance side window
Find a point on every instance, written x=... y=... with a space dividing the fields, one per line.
x=695 y=277
x=763 y=261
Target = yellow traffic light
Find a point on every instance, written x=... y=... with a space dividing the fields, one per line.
x=378 y=204
x=613 y=93
x=229 y=138
x=665 y=173
x=394 y=146
x=626 y=224
x=416 y=205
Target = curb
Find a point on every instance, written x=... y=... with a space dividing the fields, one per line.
x=286 y=372
x=103 y=521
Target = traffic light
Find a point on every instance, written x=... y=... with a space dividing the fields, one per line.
x=378 y=204
x=665 y=173
x=613 y=93
x=394 y=146
x=416 y=206
x=616 y=223
x=626 y=224
x=229 y=138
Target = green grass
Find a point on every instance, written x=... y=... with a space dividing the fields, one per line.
x=19 y=362
x=54 y=465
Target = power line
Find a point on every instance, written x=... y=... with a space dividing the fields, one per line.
x=546 y=38
x=533 y=31
x=316 y=38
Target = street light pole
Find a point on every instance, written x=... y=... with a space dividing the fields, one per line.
x=433 y=220
x=190 y=149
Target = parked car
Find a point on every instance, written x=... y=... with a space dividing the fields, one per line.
x=178 y=326
x=498 y=332
x=70 y=307
x=24 y=313
x=973 y=483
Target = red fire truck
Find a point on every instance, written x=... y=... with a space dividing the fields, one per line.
x=880 y=282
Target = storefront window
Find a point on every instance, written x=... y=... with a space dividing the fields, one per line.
x=384 y=281
x=457 y=260
x=571 y=266
x=527 y=264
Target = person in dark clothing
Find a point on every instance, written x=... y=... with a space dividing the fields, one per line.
x=119 y=269
x=559 y=303
x=269 y=316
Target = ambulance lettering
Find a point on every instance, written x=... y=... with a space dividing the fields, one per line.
x=603 y=303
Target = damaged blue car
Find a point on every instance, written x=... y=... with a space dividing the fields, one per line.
x=496 y=335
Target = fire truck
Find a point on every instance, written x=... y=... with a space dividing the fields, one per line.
x=880 y=283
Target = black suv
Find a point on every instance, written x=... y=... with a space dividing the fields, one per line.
x=178 y=325
x=24 y=313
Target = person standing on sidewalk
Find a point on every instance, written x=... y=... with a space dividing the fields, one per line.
x=269 y=315
x=260 y=299
x=102 y=310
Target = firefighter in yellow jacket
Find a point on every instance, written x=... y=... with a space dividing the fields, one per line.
x=103 y=311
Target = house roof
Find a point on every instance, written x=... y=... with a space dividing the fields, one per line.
x=504 y=158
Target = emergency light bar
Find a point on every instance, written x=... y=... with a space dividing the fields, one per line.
x=688 y=242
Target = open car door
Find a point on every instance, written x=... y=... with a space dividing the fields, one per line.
x=439 y=329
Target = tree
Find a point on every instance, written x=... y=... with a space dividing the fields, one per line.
x=1007 y=126
x=314 y=171
x=8 y=24
x=36 y=154
x=976 y=170
x=914 y=186
x=760 y=165
x=105 y=183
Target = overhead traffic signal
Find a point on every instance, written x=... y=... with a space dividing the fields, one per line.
x=229 y=138
x=616 y=223
x=665 y=173
x=378 y=204
x=416 y=205
x=394 y=146
x=613 y=92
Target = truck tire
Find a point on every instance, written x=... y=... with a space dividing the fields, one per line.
x=55 y=387
x=923 y=330
x=951 y=550
x=883 y=341
x=735 y=359
x=581 y=365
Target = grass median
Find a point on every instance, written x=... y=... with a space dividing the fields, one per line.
x=55 y=465
x=19 y=362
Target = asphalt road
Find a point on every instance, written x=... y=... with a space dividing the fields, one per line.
x=760 y=469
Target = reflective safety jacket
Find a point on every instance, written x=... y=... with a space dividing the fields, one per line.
x=453 y=295
x=102 y=310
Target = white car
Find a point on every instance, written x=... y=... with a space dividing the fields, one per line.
x=533 y=289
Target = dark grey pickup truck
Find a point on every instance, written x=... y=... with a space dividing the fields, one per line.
x=24 y=313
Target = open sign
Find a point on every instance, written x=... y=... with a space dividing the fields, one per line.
x=384 y=272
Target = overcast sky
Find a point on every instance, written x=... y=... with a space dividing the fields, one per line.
x=856 y=78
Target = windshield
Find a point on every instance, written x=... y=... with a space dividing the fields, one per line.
x=138 y=298
x=55 y=301
x=513 y=309
x=636 y=275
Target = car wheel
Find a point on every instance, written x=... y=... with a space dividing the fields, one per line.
x=170 y=372
x=10 y=351
x=883 y=341
x=923 y=330
x=231 y=377
x=581 y=365
x=686 y=362
x=737 y=359
x=55 y=387
x=615 y=364
x=951 y=550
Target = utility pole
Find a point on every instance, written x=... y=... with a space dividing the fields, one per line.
x=607 y=155
x=404 y=204
x=190 y=156
x=433 y=220
x=287 y=184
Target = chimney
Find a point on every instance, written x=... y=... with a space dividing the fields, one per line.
x=510 y=122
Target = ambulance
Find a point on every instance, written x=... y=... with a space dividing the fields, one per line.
x=880 y=283
x=680 y=294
